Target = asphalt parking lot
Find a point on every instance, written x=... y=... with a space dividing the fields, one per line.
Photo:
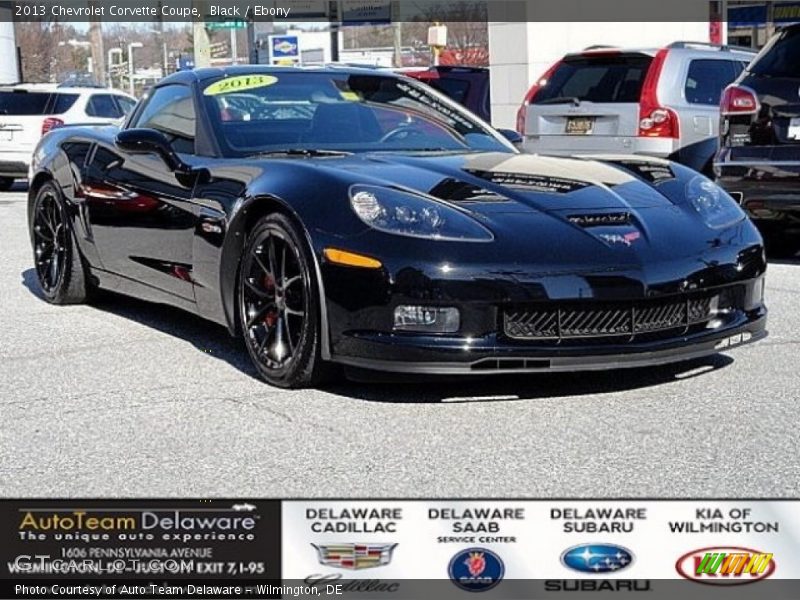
x=125 y=398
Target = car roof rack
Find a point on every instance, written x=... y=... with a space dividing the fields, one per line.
x=710 y=45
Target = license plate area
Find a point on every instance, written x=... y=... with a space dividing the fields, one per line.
x=579 y=125
x=794 y=129
x=6 y=135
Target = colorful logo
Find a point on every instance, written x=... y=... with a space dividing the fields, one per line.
x=617 y=238
x=725 y=565
x=597 y=558
x=476 y=569
x=354 y=556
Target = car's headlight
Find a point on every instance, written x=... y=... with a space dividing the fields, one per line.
x=712 y=203
x=406 y=213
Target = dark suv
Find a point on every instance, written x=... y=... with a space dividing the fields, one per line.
x=759 y=157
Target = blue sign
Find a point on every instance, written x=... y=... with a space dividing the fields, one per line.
x=284 y=46
x=476 y=569
x=597 y=558
x=756 y=14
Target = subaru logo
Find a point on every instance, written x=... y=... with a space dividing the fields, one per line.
x=597 y=558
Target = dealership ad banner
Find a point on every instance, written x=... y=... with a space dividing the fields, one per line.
x=256 y=548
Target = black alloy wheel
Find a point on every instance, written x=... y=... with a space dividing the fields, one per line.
x=278 y=305
x=59 y=267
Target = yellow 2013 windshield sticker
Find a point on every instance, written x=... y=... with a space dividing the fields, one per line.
x=240 y=83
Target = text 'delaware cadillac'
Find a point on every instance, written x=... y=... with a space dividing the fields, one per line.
x=342 y=217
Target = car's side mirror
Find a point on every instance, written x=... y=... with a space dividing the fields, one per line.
x=512 y=136
x=146 y=141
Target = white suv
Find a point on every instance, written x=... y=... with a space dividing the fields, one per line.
x=29 y=110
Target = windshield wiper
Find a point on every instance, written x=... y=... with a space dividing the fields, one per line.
x=311 y=152
x=561 y=100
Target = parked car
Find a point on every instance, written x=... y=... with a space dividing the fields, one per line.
x=469 y=86
x=759 y=155
x=658 y=102
x=29 y=110
x=416 y=239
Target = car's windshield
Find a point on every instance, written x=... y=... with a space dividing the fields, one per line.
x=280 y=111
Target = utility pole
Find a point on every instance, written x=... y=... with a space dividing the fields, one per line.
x=202 y=43
x=397 y=26
x=98 y=53
x=334 y=25
x=161 y=43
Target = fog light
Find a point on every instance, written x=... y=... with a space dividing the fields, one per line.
x=430 y=319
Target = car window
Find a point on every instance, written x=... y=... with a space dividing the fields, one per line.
x=125 y=104
x=170 y=109
x=707 y=78
x=780 y=57
x=63 y=103
x=605 y=78
x=24 y=103
x=339 y=111
x=103 y=105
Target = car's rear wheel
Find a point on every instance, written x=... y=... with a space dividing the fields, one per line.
x=6 y=183
x=780 y=243
x=279 y=305
x=59 y=267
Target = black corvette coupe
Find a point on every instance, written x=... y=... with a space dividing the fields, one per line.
x=351 y=217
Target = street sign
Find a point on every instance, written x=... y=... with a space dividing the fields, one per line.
x=232 y=24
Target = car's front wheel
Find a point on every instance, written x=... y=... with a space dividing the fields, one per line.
x=59 y=266
x=279 y=305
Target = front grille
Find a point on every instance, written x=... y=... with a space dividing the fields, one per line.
x=606 y=319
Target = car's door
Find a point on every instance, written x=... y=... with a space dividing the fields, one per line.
x=140 y=211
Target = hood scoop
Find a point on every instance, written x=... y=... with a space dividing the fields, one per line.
x=532 y=182
x=454 y=190
x=601 y=219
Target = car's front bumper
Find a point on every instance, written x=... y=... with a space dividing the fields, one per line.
x=487 y=356
x=360 y=305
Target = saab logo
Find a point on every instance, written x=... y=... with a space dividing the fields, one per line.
x=597 y=558
x=476 y=569
x=355 y=556
x=725 y=565
x=617 y=238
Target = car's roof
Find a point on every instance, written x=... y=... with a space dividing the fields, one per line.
x=206 y=73
x=699 y=48
x=54 y=87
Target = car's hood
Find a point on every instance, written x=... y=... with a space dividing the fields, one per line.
x=618 y=209
x=520 y=183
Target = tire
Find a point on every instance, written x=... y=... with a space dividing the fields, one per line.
x=6 y=183
x=780 y=244
x=279 y=305
x=59 y=267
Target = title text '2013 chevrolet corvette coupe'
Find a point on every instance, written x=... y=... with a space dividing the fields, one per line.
x=349 y=217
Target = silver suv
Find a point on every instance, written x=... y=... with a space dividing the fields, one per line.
x=659 y=102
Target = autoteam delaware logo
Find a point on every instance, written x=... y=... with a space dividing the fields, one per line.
x=597 y=558
x=725 y=565
x=354 y=556
x=476 y=569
